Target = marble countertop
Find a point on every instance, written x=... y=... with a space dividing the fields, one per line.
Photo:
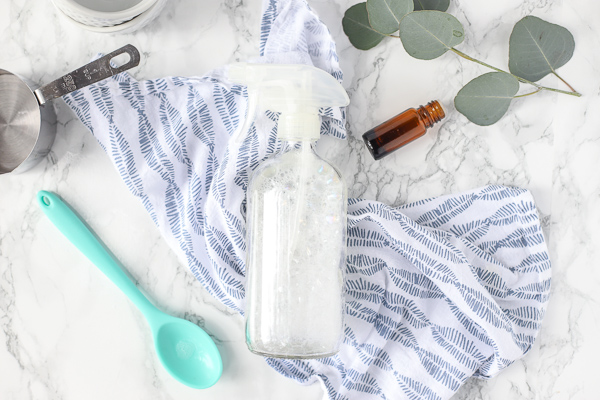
x=67 y=333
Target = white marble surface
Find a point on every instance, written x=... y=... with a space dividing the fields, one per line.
x=67 y=333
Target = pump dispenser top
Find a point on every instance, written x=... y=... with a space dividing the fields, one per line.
x=296 y=91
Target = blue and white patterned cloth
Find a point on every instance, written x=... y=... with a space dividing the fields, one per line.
x=436 y=291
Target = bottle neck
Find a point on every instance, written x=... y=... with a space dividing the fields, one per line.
x=289 y=145
x=431 y=113
x=296 y=127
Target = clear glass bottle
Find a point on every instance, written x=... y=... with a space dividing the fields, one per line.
x=295 y=219
x=296 y=230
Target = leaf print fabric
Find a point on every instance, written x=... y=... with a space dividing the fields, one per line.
x=437 y=291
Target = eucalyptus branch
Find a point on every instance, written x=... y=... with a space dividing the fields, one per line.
x=540 y=87
x=428 y=32
x=565 y=82
x=528 y=94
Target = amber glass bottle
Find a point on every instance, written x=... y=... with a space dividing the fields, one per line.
x=402 y=129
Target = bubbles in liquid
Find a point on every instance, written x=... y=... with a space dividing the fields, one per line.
x=295 y=261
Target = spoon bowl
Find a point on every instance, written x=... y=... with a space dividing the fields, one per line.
x=184 y=349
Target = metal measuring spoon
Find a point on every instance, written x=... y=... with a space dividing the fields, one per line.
x=27 y=119
x=185 y=350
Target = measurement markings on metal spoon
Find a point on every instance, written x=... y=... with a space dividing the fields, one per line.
x=69 y=83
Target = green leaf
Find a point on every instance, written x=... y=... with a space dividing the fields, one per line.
x=429 y=34
x=486 y=98
x=537 y=48
x=440 y=5
x=385 y=15
x=356 y=27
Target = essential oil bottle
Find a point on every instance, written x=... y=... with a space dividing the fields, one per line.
x=402 y=129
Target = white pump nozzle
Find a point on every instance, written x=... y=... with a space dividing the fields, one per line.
x=296 y=91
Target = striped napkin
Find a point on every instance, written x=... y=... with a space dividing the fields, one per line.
x=436 y=291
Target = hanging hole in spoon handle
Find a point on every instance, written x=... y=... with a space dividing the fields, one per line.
x=93 y=72
x=45 y=200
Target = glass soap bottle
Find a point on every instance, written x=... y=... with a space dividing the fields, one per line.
x=402 y=129
x=296 y=218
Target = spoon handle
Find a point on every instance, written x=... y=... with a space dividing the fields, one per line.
x=93 y=72
x=70 y=225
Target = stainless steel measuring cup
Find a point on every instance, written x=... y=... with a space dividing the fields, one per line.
x=28 y=123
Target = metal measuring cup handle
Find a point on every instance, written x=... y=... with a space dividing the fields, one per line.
x=88 y=74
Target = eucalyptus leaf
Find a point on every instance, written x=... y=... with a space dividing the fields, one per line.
x=486 y=98
x=357 y=28
x=440 y=5
x=385 y=15
x=429 y=34
x=537 y=48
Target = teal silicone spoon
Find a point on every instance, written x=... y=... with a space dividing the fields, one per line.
x=184 y=349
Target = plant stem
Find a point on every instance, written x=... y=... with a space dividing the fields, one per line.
x=528 y=94
x=540 y=87
x=565 y=82
x=463 y=55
